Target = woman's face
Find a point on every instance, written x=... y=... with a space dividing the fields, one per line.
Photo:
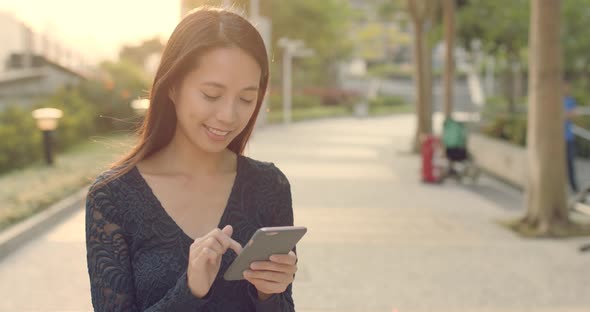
x=216 y=100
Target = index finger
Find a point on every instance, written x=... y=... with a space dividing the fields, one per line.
x=235 y=246
x=227 y=242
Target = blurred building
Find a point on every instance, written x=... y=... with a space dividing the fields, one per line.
x=33 y=65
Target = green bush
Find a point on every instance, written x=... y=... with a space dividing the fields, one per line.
x=514 y=130
x=298 y=102
x=387 y=101
x=20 y=140
x=94 y=106
x=389 y=71
x=583 y=145
x=503 y=125
x=303 y=102
x=386 y=105
x=582 y=95
x=108 y=105
x=509 y=128
x=77 y=122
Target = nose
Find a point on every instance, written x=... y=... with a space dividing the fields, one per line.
x=227 y=112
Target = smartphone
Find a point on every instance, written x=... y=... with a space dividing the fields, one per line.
x=264 y=243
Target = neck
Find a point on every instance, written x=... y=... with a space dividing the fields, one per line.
x=183 y=157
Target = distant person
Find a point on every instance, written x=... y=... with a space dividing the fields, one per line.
x=164 y=223
x=570 y=107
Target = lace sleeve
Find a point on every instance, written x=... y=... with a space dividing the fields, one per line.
x=109 y=263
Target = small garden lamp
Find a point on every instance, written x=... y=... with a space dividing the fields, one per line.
x=47 y=119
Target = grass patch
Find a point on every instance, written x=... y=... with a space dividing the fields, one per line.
x=27 y=191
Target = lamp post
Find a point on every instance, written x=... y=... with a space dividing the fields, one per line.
x=140 y=106
x=291 y=49
x=47 y=119
x=358 y=70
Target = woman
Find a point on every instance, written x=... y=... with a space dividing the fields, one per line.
x=164 y=223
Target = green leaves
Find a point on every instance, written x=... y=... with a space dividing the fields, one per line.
x=576 y=44
x=501 y=26
x=323 y=25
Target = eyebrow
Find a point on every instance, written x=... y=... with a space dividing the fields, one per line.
x=220 y=86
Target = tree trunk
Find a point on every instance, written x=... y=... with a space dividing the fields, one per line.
x=545 y=189
x=420 y=94
x=421 y=13
x=449 y=80
x=427 y=59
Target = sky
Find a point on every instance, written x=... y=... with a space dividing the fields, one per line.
x=97 y=29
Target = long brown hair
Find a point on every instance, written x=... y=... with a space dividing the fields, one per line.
x=201 y=30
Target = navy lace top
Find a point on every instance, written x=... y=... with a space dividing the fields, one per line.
x=137 y=255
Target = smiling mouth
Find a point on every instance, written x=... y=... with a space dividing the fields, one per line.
x=218 y=132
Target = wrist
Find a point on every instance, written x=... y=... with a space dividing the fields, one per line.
x=199 y=293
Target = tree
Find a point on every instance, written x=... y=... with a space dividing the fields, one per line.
x=421 y=13
x=546 y=205
x=501 y=27
x=112 y=90
x=375 y=40
x=449 y=80
x=127 y=79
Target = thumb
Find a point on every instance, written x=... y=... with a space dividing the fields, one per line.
x=228 y=230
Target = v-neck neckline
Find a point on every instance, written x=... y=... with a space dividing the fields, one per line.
x=152 y=196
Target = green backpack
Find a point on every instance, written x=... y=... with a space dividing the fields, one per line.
x=454 y=134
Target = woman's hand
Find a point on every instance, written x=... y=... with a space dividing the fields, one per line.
x=272 y=277
x=205 y=259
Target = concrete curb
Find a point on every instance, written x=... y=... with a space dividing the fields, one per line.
x=19 y=234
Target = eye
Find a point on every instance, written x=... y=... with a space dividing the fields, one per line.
x=210 y=97
x=247 y=101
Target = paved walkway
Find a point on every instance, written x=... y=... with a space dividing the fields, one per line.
x=378 y=239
